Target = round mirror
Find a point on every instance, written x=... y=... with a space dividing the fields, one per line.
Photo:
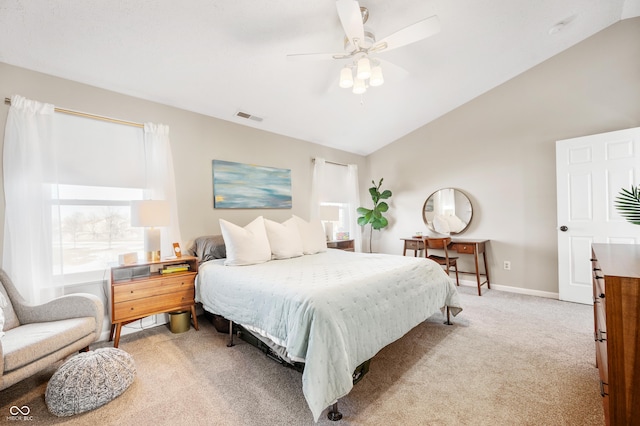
x=447 y=211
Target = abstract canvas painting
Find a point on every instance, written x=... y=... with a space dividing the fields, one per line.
x=248 y=186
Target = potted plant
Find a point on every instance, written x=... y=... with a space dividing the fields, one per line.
x=628 y=204
x=374 y=216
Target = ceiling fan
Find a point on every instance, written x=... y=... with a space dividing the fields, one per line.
x=360 y=45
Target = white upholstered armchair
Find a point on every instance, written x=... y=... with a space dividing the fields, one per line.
x=36 y=336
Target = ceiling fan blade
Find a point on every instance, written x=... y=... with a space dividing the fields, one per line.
x=351 y=20
x=316 y=56
x=397 y=70
x=416 y=32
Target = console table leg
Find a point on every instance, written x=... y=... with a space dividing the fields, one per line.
x=486 y=269
x=448 y=321
x=478 y=272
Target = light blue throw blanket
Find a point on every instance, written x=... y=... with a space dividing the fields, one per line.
x=334 y=310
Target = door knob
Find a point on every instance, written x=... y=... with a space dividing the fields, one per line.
x=564 y=228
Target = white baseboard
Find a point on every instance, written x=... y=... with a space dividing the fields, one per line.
x=136 y=326
x=510 y=289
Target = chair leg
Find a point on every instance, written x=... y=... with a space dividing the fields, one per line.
x=457 y=279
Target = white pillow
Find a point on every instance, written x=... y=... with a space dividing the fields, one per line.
x=245 y=246
x=312 y=233
x=3 y=304
x=284 y=239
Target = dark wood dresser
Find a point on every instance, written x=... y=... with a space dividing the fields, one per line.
x=616 y=295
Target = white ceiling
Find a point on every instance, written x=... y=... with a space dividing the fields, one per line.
x=219 y=57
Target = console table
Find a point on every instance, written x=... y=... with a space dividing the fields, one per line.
x=472 y=246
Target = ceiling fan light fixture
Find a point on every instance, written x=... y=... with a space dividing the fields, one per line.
x=359 y=86
x=364 y=68
x=346 y=78
x=376 y=76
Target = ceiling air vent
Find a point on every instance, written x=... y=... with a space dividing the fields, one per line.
x=248 y=116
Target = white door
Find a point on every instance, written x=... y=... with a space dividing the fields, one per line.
x=590 y=172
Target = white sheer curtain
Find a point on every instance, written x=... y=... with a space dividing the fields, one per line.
x=340 y=186
x=28 y=162
x=354 y=202
x=317 y=186
x=161 y=180
x=38 y=161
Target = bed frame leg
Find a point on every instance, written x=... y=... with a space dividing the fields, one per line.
x=448 y=321
x=230 y=334
x=334 y=415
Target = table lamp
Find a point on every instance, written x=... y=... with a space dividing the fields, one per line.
x=150 y=214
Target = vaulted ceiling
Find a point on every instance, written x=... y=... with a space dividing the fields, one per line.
x=219 y=58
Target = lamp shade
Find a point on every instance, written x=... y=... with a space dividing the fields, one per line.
x=359 y=86
x=364 y=68
x=346 y=78
x=376 y=76
x=150 y=213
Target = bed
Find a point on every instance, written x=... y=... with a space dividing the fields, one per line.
x=332 y=310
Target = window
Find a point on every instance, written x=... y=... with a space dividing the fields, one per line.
x=337 y=185
x=341 y=226
x=99 y=170
x=91 y=226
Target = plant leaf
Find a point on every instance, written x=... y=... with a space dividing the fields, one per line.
x=383 y=207
x=628 y=204
x=385 y=194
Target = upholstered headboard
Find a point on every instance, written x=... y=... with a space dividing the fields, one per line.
x=208 y=247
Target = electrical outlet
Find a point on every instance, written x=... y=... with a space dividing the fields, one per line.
x=507 y=265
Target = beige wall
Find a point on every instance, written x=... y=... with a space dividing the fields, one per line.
x=196 y=140
x=500 y=150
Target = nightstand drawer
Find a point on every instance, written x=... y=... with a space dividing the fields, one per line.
x=161 y=285
x=464 y=248
x=139 y=308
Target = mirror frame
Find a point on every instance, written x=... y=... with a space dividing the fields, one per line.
x=430 y=223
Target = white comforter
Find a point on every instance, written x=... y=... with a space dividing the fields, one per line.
x=335 y=310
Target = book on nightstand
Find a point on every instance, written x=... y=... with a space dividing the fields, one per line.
x=170 y=269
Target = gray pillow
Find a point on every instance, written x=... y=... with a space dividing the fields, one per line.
x=208 y=247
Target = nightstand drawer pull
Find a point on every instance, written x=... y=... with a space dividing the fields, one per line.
x=600 y=337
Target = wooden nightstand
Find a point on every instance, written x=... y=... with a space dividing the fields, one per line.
x=346 y=245
x=141 y=289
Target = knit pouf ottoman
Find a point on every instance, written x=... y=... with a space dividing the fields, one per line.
x=89 y=380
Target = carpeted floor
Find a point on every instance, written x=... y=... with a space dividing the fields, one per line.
x=508 y=359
